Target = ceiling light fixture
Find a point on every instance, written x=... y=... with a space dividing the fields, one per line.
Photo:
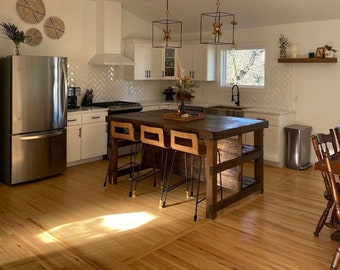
x=217 y=27
x=167 y=33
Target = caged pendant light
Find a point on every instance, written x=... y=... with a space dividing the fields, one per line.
x=217 y=27
x=167 y=33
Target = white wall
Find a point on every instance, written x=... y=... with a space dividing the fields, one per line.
x=78 y=41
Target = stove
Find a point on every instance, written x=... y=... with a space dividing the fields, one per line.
x=116 y=107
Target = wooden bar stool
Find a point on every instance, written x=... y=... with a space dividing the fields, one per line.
x=125 y=131
x=155 y=137
x=187 y=143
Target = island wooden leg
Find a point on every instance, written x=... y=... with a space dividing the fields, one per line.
x=211 y=179
x=258 y=163
x=113 y=161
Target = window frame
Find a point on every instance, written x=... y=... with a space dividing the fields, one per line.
x=240 y=46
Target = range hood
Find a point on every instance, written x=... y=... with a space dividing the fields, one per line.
x=108 y=46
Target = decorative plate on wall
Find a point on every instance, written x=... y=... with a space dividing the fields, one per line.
x=54 y=27
x=31 y=11
x=33 y=37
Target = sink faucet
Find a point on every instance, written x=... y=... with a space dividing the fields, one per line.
x=237 y=101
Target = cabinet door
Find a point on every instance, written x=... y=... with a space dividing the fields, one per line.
x=142 y=61
x=73 y=140
x=155 y=63
x=198 y=61
x=94 y=140
x=270 y=143
x=203 y=62
x=148 y=63
x=150 y=108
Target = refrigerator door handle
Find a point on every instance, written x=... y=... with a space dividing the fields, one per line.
x=41 y=135
x=64 y=69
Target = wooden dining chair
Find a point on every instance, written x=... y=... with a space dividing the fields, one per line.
x=337 y=134
x=336 y=199
x=325 y=145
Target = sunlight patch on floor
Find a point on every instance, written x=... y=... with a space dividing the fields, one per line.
x=97 y=227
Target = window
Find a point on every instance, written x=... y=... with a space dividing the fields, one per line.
x=244 y=67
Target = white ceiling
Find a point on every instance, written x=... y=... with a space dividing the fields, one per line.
x=249 y=13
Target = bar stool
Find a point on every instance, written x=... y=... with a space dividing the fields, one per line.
x=125 y=131
x=187 y=143
x=155 y=137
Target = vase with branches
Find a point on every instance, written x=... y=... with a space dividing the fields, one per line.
x=12 y=32
x=184 y=86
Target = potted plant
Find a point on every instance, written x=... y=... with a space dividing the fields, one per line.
x=283 y=46
x=12 y=32
x=329 y=51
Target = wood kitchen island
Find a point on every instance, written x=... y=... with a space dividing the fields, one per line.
x=212 y=129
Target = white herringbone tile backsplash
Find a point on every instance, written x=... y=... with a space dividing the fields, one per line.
x=108 y=84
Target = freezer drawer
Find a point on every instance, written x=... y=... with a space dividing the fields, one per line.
x=37 y=155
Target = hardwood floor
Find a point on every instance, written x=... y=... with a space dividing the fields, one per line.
x=71 y=222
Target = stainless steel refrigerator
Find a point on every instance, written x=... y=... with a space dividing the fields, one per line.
x=32 y=117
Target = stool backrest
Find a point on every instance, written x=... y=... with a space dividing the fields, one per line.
x=154 y=136
x=123 y=130
x=187 y=142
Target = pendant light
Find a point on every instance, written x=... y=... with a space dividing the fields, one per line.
x=167 y=33
x=217 y=27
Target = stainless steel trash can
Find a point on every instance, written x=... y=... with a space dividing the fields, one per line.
x=298 y=146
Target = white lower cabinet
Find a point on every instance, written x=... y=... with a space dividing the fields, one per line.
x=274 y=145
x=86 y=136
x=160 y=106
x=94 y=140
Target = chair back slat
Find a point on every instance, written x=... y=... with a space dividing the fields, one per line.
x=337 y=134
x=334 y=187
x=324 y=144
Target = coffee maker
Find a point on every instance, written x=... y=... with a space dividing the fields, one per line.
x=72 y=97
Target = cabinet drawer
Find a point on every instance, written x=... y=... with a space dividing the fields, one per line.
x=73 y=119
x=94 y=117
x=272 y=119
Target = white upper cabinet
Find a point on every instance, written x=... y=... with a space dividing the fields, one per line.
x=198 y=61
x=148 y=63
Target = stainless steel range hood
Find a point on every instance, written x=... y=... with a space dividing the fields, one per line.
x=108 y=46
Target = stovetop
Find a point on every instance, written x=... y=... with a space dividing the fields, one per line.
x=119 y=105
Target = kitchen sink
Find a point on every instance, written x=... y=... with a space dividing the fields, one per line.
x=225 y=110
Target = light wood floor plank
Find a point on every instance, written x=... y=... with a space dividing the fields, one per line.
x=71 y=222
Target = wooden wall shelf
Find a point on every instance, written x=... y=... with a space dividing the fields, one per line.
x=307 y=60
